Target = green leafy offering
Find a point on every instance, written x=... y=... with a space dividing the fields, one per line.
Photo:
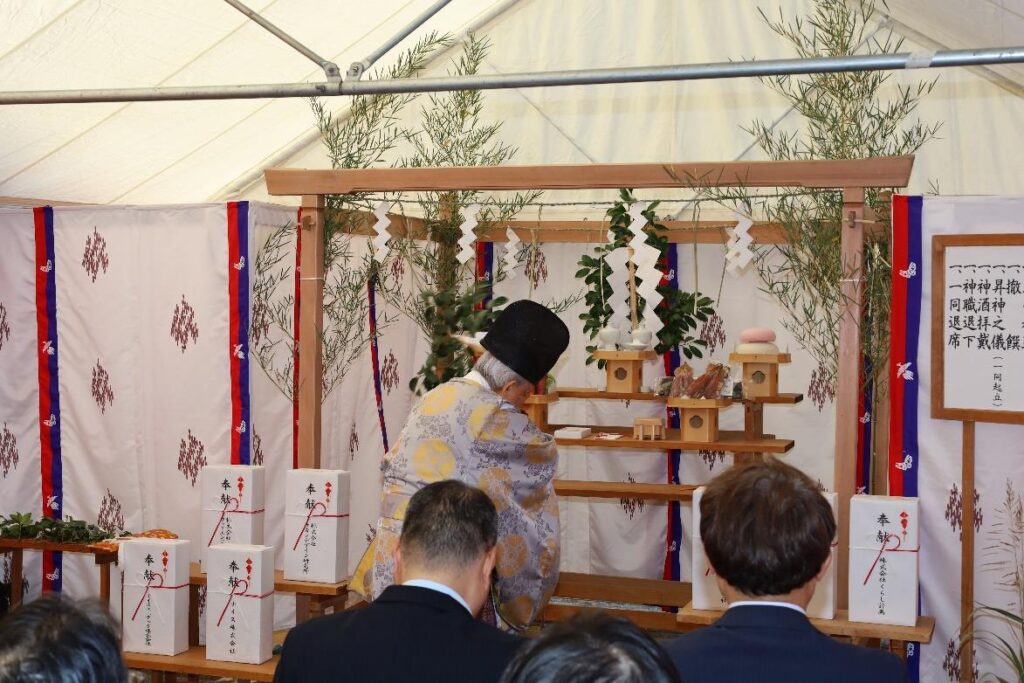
x=21 y=525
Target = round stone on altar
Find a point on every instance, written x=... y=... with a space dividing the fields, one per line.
x=757 y=340
x=757 y=335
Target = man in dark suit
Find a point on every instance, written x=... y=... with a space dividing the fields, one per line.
x=424 y=629
x=768 y=535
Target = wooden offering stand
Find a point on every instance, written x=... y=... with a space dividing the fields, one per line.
x=18 y=546
x=698 y=417
x=625 y=369
x=760 y=372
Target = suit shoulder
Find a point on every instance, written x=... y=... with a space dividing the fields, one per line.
x=693 y=640
x=315 y=630
x=878 y=661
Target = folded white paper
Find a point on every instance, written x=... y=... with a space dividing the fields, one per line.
x=233 y=499
x=572 y=433
x=823 y=604
x=240 y=603
x=884 y=560
x=705 y=593
x=155 y=584
x=316 y=525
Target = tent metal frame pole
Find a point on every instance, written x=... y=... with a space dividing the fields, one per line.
x=331 y=69
x=752 y=69
x=357 y=69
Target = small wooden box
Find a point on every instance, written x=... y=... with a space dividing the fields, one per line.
x=698 y=417
x=625 y=369
x=760 y=373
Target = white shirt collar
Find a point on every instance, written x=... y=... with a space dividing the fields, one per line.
x=440 y=588
x=767 y=603
x=476 y=377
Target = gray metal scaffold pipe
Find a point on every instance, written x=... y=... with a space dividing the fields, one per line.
x=357 y=69
x=773 y=67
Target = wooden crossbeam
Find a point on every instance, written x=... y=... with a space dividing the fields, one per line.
x=576 y=231
x=876 y=172
x=615 y=489
x=623 y=589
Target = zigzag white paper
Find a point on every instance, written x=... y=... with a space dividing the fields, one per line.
x=380 y=230
x=636 y=212
x=618 y=279
x=508 y=261
x=466 y=241
x=738 y=253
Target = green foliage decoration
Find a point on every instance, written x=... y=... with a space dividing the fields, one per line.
x=447 y=312
x=680 y=312
x=21 y=525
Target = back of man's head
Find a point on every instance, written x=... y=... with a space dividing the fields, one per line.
x=766 y=528
x=55 y=639
x=592 y=648
x=448 y=525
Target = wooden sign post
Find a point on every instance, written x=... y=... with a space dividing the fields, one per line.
x=977 y=365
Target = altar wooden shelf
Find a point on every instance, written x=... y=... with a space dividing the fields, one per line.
x=616 y=489
x=584 y=392
x=841 y=626
x=193 y=663
x=311 y=599
x=17 y=547
x=730 y=441
x=624 y=591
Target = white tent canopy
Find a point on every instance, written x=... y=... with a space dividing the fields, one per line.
x=196 y=151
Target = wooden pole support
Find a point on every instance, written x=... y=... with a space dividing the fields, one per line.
x=311 y=326
x=17 y=565
x=848 y=375
x=967 y=556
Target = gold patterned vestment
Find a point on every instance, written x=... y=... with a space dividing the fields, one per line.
x=463 y=430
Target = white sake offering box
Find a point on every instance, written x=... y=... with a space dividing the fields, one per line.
x=316 y=525
x=705 y=586
x=884 y=543
x=240 y=603
x=233 y=499
x=155 y=579
x=823 y=604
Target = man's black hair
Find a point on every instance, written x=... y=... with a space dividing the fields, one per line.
x=592 y=647
x=448 y=524
x=57 y=640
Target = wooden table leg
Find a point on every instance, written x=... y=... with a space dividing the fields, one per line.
x=303 y=608
x=105 y=583
x=17 y=556
x=193 y=615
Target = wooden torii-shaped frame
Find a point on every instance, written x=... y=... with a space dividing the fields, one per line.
x=851 y=176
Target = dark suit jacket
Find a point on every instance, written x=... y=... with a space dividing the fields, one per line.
x=407 y=634
x=775 y=644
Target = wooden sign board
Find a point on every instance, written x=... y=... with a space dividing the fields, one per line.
x=978 y=328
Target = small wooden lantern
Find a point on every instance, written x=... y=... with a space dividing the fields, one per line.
x=625 y=369
x=654 y=427
x=698 y=417
x=760 y=373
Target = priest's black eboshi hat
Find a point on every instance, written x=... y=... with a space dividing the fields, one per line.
x=528 y=338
